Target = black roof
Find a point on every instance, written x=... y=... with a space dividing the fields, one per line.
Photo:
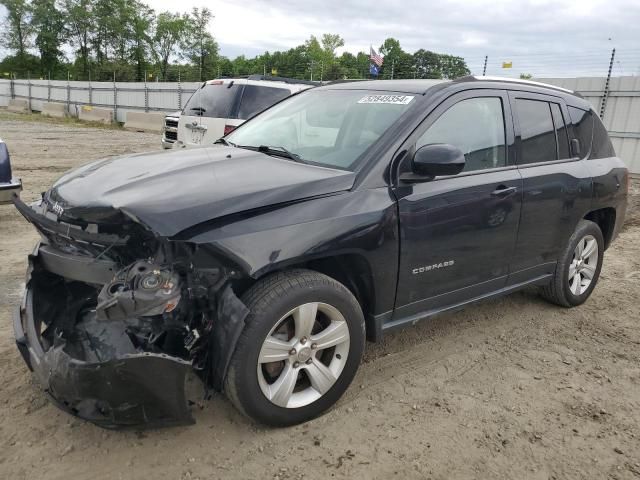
x=420 y=87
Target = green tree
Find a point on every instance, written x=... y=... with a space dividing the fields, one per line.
x=434 y=65
x=397 y=62
x=314 y=57
x=452 y=67
x=330 y=43
x=349 y=66
x=48 y=23
x=141 y=17
x=168 y=32
x=225 y=67
x=331 y=69
x=17 y=33
x=292 y=63
x=198 y=46
x=19 y=65
x=246 y=66
x=107 y=29
x=80 y=25
x=427 y=64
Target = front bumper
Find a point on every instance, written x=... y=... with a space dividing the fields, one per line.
x=9 y=190
x=167 y=144
x=141 y=389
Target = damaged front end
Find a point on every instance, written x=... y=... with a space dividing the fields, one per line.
x=114 y=317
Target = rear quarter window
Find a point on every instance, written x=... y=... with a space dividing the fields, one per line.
x=582 y=121
x=256 y=99
x=601 y=146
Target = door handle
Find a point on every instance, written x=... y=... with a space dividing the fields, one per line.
x=503 y=191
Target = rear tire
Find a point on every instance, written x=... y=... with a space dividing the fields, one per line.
x=578 y=268
x=300 y=349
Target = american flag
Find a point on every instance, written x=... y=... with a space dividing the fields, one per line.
x=375 y=58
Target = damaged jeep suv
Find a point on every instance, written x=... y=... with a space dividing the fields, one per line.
x=341 y=213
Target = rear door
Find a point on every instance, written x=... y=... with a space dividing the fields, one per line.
x=457 y=233
x=556 y=185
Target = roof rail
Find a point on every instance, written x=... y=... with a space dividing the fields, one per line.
x=345 y=80
x=513 y=80
x=283 y=79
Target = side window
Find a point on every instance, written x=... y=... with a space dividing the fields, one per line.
x=476 y=126
x=602 y=147
x=582 y=128
x=256 y=98
x=561 y=132
x=537 y=133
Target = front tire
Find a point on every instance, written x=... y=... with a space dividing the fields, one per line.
x=579 y=267
x=300 y=349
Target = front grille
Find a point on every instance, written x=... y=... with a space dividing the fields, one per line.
x=171 y=136
x=171 y=122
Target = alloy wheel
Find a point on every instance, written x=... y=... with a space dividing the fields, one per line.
x=303 y=355
x=583 y=265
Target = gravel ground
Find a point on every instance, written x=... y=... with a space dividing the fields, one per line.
x=510 y=388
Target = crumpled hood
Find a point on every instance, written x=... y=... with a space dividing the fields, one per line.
x=173 y=190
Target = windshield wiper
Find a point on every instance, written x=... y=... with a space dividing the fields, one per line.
x=280 y=152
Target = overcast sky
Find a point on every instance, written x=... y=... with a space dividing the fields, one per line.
x=535 y=34
x=539 y=36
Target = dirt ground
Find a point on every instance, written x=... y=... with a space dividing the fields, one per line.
x=511 y=388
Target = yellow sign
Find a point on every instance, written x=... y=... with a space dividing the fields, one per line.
x=507 y=64
x=274 y=71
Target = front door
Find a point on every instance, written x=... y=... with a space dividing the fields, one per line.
x=457 y=233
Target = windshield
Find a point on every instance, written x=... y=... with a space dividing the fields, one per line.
x=325 y=127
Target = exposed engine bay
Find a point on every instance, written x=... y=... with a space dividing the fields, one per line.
x=121 y=316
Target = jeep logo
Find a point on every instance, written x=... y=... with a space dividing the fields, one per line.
x=57 y=209
x=435 y=266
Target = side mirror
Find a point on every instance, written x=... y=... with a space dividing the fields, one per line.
x=438 y=159
x=575 y=148
x=8 y=186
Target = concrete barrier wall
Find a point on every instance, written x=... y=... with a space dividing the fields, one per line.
x=95 y=114
x=121 y=97
x=53 y=109
x=18 y=105
x=145 y=122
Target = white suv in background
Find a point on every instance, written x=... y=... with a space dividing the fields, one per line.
x=219 y=106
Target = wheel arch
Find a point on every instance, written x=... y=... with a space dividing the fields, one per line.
x=354 y=272
x=605 y=218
